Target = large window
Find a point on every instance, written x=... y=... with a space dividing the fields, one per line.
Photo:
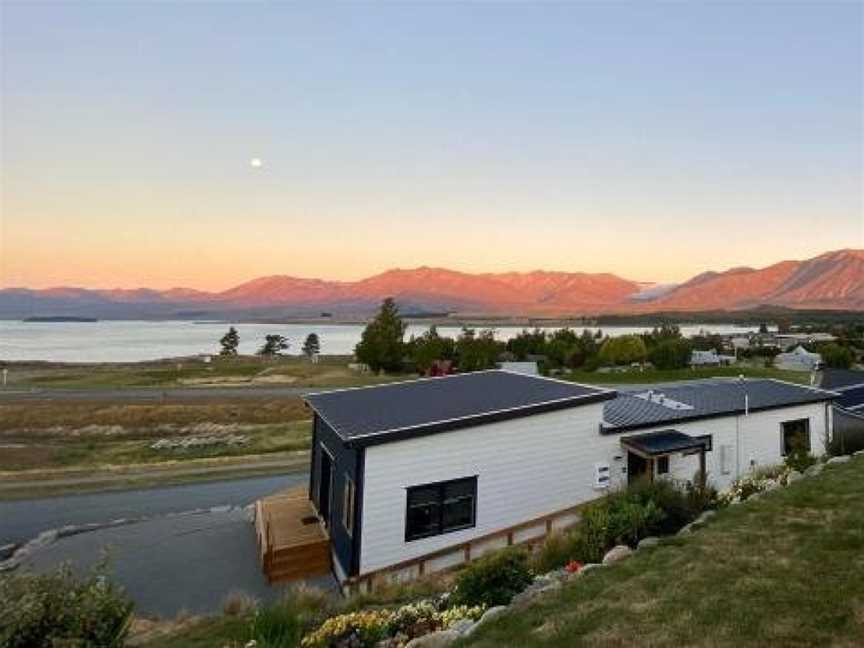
x=348 y=498
x=439 y=508
x=795 y=436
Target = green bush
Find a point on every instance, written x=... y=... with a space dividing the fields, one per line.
x=800 y=460
x=60 y=609
x=493 y=579
x=283 y=623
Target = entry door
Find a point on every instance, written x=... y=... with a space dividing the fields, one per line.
x=325 y=489
x=637 y=467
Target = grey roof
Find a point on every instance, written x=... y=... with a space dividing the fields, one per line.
x=663 y=442
x=367 y=415
x=851 y=397
x=701 y=399
x=839 y=379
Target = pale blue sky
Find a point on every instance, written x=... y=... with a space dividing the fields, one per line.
x=653 y=140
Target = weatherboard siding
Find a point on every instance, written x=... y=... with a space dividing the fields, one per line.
x=526 y=468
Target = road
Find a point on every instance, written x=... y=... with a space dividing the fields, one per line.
x=152 y=394
x=24 y=519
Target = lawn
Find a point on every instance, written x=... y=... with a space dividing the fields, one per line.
x=787 y=570
x=676 y=375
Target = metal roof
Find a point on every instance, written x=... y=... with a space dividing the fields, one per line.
x=384 y=413
x=663 y=442
x=840 y=379
x=851 y=398
x=667 y=404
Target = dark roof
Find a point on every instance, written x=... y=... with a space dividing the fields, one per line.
x=367 y=415
x=838 y=379
x=700 y=399
x=851 y=397
x=662 y=442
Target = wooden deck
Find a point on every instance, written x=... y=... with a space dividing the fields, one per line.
x=292 y=543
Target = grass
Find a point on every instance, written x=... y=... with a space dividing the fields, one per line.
x=785 y=570
x=676 y=375
x=329 y=371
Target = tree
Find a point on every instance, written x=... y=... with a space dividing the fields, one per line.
x=670 y=354
x=425 y=350
x=381 y=346
x=477 y=351
x=230 y=341
x=836 y=356
x=312 y=346
x=274 y=345
x=527 y=343
x=623 y=350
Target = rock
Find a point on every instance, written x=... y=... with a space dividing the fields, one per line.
x=754 y=497
x=839 y=460
x=647 y=543
x=814 y=470
x=7 y=550
x=793 y=476
x=687 y=529
x=616 y=554
x=858 y=453
x=489 y=615
x=434 y=639
x=589 y=567
x=220 y=509
x=704 y=517
x=772 y=485
x=461 y=626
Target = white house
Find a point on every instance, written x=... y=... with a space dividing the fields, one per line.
x=799 y=359
x=709 y=359
x=414 y=477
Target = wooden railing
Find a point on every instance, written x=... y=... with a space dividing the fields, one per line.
x=544 y=523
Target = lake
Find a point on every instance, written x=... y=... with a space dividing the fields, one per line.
x=134 y=341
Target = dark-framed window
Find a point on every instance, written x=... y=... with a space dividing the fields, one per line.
x=348 y=498
x=442 y=507
x=707 y=439
x=795 y=436
x=663 y=465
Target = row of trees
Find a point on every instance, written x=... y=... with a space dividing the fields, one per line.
x=274 y=345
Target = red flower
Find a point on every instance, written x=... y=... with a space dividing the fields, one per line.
x=573 y=566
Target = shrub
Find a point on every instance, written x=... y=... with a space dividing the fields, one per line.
x=238 y=604
x=557 y=550
x=61 y=609
x=799 y=460
x=364 y=628
x=493 y=579
x=283 y=623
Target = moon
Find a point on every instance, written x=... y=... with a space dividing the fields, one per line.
x=256 y=163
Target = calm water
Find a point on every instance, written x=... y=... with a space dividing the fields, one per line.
x=135 y=341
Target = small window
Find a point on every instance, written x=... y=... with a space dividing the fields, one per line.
x=708 y=440
x=433 y=509
x=348 y=498
x=795 y=436
x=663 y=465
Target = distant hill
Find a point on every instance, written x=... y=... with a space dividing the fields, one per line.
x=832 y=281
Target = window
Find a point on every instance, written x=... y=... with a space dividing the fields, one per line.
x=795 y=436
x=707 y=439
x=439 y=508
x=348 y=497
x=663 y=465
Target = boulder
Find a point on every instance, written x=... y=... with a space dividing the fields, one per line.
x=772 y=485
x=793 y=476
x=7 y=550
x=687 y=529
x=839 y=460
x=647 y=543
x=704 y=517
x=858 y=453
x=617 y=553
x=434 y=639
x=814 y=470
x=461 y=626
x=489 y=615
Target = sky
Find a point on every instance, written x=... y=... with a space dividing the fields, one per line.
x=651 y=140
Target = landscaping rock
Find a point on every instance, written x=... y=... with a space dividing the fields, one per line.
x=772 y=485
x=489 y=615
x=858 y=453
x=687 y=529
x=704 y=517
x=616 y=554
x=589 y=567
x=754 y=497
x=793 y=476
x=814 y=470
x=647 y=543
x=434 y=639
x=839 y=460
x=461 y=626
x=7 y=550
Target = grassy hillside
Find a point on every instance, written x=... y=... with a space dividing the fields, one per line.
x=787 y=570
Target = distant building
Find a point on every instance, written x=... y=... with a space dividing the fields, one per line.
x=799 y=359
x=710 y=359
x=527 y=368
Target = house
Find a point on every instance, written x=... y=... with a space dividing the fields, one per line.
x=528 y=368
x=849 y=385
x=414 y=477
x=799 y=359
x=710 y=359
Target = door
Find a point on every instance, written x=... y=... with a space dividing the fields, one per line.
x=637 y=467
x=325 y=486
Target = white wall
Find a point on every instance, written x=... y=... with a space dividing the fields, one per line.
x=526 y=468
x=533 y=466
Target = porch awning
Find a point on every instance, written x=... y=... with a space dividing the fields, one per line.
x=664 y=442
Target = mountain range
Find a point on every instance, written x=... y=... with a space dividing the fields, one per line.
x=832 y=281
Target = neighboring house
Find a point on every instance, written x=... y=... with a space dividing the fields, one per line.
x=710 y=359
x=849 y=384
x=414 y=477
x=527 y=368
x=799 y=359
